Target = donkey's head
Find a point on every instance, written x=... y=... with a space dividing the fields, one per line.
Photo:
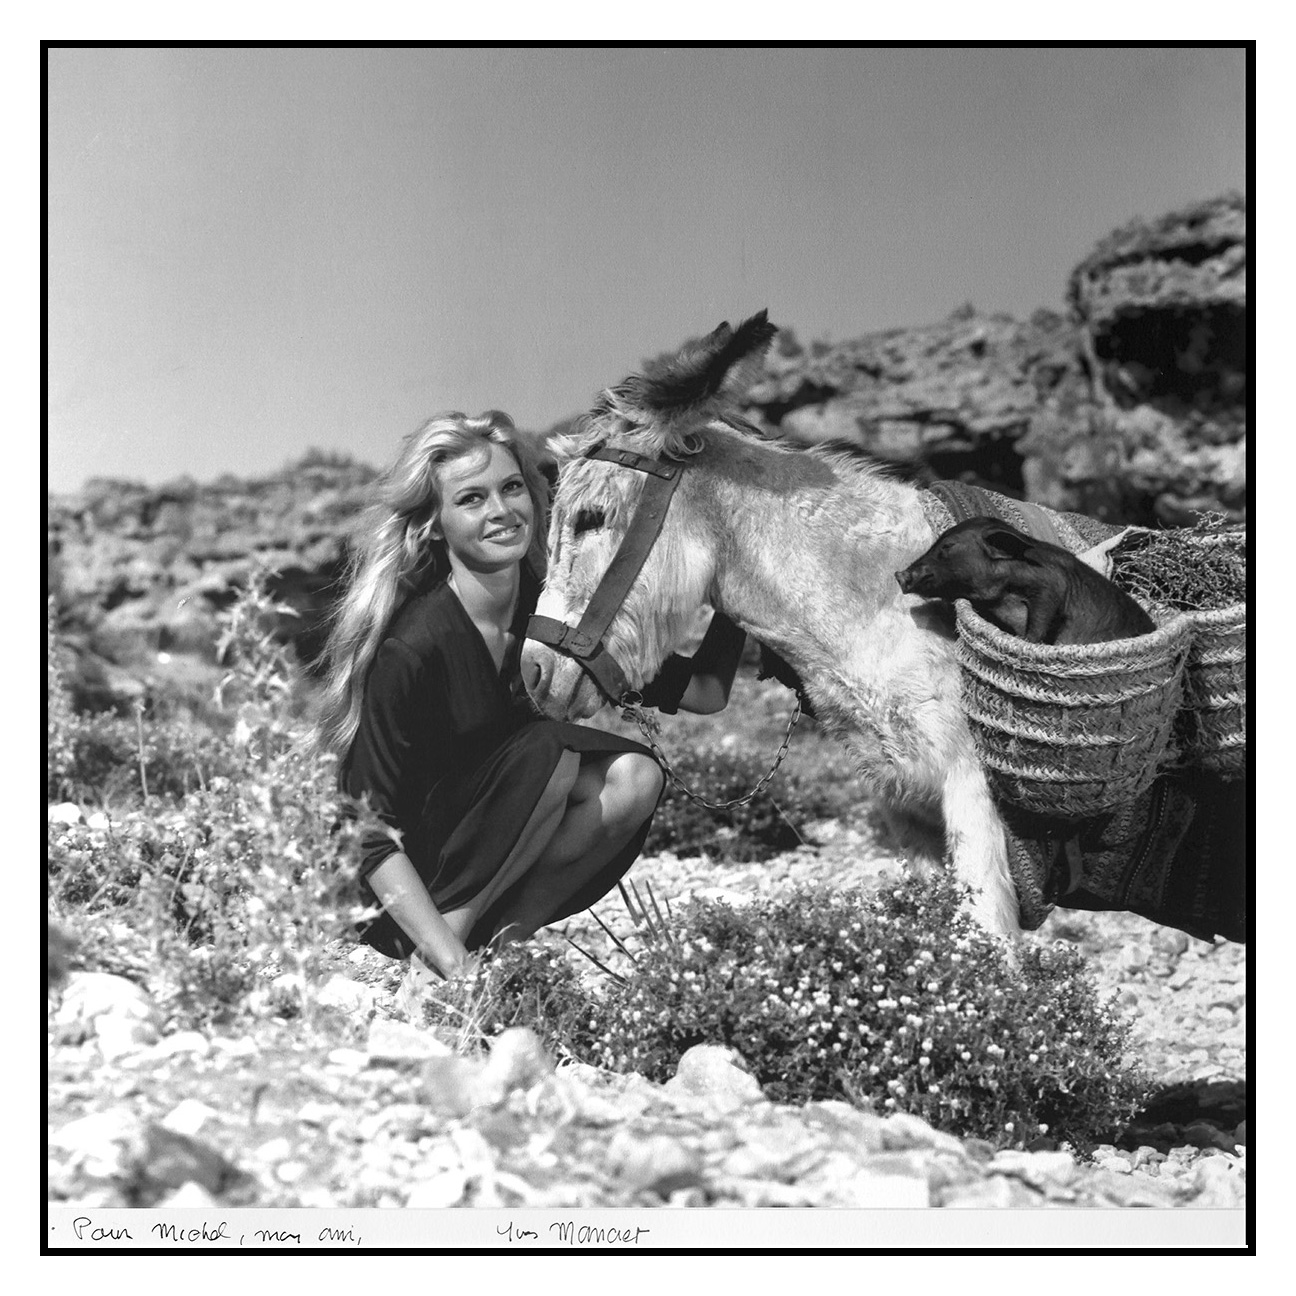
x=662 y=415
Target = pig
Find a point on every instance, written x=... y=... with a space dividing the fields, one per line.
x=1035 y=590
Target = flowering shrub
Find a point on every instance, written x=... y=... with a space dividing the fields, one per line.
x=766 y=825
x=214 y=892
x=898 y=999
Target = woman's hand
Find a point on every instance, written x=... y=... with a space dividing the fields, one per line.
x=401 y=892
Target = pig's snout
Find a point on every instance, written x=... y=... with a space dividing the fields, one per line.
x=905 y=579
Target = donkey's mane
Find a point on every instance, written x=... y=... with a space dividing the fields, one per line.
x=669 y=410
x=613 y=420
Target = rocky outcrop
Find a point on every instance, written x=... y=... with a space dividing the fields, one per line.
x=1132 y=407
x=1162 y=310
x=946 y=400
x=139 y=573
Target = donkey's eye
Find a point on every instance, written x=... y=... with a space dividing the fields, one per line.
x=587 y=520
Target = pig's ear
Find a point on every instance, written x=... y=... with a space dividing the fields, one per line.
x=1007 y=544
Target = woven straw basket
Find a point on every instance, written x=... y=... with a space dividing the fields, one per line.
x=1213 y=724
x=1072 y=731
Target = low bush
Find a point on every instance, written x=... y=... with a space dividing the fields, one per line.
x=898 y=1000
x=770 y=823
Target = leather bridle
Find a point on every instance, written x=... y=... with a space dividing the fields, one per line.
x=584 y=642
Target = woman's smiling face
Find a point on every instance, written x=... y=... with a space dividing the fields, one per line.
x=486 y=516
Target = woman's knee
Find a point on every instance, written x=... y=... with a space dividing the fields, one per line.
x=636 y=782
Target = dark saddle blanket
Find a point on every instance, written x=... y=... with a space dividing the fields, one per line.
x=1177 y=855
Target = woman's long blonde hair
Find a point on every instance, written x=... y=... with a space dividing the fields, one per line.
x=393 y=554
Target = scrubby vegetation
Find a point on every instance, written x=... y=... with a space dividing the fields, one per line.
x=209 y=865
x=212 y=863
x=895 y=999
x=769 y=823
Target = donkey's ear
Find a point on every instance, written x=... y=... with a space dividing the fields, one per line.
x=723 y=360
x=1007 y=542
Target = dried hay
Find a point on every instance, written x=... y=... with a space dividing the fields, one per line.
x=1193 y=569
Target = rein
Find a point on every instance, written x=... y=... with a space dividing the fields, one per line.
x=584 y=642
x=650 y=727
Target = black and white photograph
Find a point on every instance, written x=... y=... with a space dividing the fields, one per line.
x=646 y=647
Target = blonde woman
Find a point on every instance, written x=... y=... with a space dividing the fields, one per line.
x=501 y=821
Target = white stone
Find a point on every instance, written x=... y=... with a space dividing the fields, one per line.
x=188 y=1116
x=714 y=1076
x=64 y=813
x=192 y=1042
x=98 y=822
x=103 y=1143
x=444 y=1189
x=118 y=1036
x=235 y=1046
x=346 y=994
x=517 y=1060
x=189 y=1195
x=89 y=995
x=275 y=1149
x=397 y=1041
x=348 y=1059
x=903 y=1130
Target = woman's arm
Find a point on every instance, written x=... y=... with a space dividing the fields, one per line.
x=402 y=894
x=700 y=682
x=714 y=666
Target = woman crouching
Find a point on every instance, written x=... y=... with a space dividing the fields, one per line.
x=502 y=821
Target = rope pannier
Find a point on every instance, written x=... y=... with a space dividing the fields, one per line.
x=1075 y=730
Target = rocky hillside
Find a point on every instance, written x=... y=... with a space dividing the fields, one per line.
x=1131 y=407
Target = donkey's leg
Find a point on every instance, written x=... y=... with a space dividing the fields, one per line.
x=915 y=834
x=978 y=847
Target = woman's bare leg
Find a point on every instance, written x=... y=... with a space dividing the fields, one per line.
x=540 y=830
x=610 y=799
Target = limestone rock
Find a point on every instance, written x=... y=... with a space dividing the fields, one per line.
x=121 y=1014
x=656 y=1163
x=517 y=1060
x=395 y=1041
x=715 y=1077
x=146 y=1161
x=348 y=995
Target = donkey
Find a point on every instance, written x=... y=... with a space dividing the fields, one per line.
x=798 y=547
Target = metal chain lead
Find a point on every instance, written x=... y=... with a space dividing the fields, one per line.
x=649 y=727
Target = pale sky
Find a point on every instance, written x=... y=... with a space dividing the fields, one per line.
x=256 y=251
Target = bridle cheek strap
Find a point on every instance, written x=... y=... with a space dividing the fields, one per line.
x=584 y=642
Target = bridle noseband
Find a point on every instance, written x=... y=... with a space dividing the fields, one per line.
x=584 y=642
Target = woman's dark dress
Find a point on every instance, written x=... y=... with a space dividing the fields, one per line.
x=451 y=753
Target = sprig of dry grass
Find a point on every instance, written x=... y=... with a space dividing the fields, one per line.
x=1193 y=569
